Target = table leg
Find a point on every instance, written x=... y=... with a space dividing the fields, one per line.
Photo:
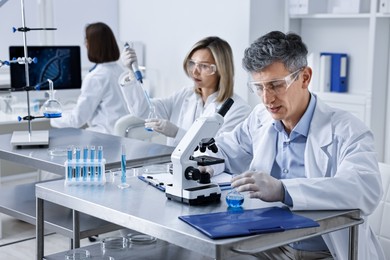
x=353 y=242
x=76 y=229
x=39 y=228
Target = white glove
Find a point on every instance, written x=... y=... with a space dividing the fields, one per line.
x=207 y=169
x=162 y=126
x=260 y=185
x=128 y=56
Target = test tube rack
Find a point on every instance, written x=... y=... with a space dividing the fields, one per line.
x=85 y=172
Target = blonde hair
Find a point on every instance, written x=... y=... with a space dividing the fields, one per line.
x=223 y=56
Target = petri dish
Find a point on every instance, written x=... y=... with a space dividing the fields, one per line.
x=57 y=151
x=116 y=243
x=141 y=239
x=77 y=254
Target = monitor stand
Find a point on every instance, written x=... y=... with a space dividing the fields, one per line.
x=24 y=138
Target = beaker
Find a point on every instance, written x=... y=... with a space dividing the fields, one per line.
x=51 y=108
x=234 y=199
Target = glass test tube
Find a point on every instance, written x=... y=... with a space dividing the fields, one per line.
x=77 y=163
x=100 y=157
x=123 y=184
x=85 y=158
x=92 y=160
x=69 y=152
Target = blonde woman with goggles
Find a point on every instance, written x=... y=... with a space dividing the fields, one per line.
x=209 y=64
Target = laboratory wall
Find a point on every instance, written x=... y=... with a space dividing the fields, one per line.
x=170 y=28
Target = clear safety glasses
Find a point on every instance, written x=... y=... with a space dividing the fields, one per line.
x=276 y=86
x=203 y=68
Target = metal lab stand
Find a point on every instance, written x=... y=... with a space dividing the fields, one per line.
x=145 y=209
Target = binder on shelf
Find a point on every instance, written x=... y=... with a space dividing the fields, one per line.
x=338 y=70
x=241 y=222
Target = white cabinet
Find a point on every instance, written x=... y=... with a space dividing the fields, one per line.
x=364 y=36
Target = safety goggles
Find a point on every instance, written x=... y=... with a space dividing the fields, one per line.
x=276 y=86
x=203 y=68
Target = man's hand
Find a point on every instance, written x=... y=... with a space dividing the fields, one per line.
x=260 y=185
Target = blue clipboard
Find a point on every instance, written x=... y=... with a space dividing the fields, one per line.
x=235 y=223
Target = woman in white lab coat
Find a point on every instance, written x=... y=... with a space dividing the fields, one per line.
x=301 y=151
x=209 y=64
x=100 y=103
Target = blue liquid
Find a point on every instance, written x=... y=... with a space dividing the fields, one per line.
x=85 y=169
x=52 y=115
x=234 y=199
x=100 y=157
x=148 y=129
x=123 y=167
x=92 y=158
x=77 y=164
x=70 y=174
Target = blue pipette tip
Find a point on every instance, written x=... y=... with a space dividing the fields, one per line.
x=20 y=118
x=14 y=29
x=35 y=60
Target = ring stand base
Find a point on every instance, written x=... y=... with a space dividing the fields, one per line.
x=20 y=138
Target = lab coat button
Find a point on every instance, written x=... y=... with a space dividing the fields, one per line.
x=285 y=171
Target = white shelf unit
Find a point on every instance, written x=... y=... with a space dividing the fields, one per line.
x=365 y=38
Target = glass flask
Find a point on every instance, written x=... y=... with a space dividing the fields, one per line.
x=51 y=108
x=234 y=199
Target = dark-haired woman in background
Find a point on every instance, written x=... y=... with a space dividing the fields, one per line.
x=100 y=103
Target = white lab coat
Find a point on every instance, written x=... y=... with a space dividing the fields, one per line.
x=100 y=103
x=182 y=108
x=340 y=165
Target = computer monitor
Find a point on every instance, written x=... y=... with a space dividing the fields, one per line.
x=61 y=64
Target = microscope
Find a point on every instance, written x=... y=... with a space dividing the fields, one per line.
x=189 y=185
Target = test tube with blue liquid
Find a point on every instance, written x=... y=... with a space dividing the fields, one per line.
x=85 y=158
x=70 y=157
x=78 y=163
x=92 y=158
x=100 y=157
x=123 y=184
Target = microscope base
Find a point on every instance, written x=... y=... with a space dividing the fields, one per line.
x=202 y=195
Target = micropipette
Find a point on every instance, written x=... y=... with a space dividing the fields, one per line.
x=123 y=184
x=138 y=76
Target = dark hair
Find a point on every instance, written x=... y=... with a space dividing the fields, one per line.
x=276 y=47
x=101 y=42
x=223 y=56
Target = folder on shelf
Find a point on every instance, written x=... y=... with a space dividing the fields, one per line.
x=241 y=222
x=338 y=71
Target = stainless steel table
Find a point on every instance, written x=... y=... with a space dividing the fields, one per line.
x=138 y=152
x=18 y=203
x=146 y=209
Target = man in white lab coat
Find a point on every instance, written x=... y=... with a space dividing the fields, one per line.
x=301 y=151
